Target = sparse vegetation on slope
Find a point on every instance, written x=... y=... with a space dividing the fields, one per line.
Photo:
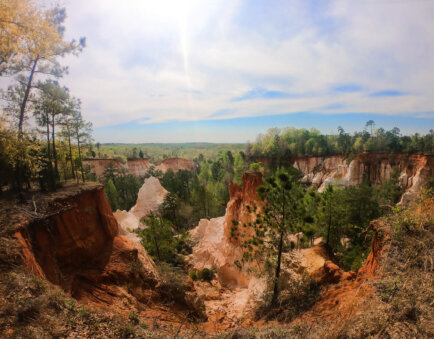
x=395 y=302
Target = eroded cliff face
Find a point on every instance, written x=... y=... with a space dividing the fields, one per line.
x=215 y=246
x=140 y=167
x=98 y=166
x=236 y=209
x=76 y=245
x=175 y=164
x=151 y=196
x=414 y=170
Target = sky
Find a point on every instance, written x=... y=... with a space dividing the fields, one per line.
x=224 y=71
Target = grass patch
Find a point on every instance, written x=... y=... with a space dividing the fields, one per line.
x=295 y=297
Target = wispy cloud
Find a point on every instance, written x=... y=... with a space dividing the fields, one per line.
x=347 y=88
x=334 y=106
x=222 y=113
x=261 y=93
x=247 y=59
x=388 y=93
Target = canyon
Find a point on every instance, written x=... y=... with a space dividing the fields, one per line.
x=73 y=240
x=413 y=170
x=139 y=167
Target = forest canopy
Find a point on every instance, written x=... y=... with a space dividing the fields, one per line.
x=290 y=141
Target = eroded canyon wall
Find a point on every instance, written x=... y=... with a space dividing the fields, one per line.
x=218 y=247
x=175 y=164
x=98 y=166
x=140 y=167
x=414 y=170
x=151 y=196
x=76 y=245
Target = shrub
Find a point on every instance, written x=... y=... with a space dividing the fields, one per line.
x=206 y=274
x=126 y=331
x=193 y=275
x=84 y=312
x=134 y=317
x=174 y=282
x=295 y=297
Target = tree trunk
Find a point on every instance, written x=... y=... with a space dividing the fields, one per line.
x=18 y=181
x=70 y=154
x=52 y=182
x=329 y=225
x=48 y=140
x=79 y=156
x=53 y=140
x=26 y=97
x=157 y=248
x=18 y=165
x=277 y=274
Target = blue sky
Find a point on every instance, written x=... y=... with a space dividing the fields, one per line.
x=224 y=71
x=247 y=129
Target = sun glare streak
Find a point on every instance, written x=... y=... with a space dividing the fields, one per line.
x=184 y=47
x=183 y=32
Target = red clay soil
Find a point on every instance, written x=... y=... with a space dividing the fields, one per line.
x=78 y=248
x=343 y=299
x=73 y=242
x=175 y=164
x=236 y=209
x=138 y=167
x=98 y=166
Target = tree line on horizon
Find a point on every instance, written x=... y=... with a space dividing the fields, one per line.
x=290 y=141
x=43 y=135
x=282 y=143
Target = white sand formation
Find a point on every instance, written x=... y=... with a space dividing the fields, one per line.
x=151 y=196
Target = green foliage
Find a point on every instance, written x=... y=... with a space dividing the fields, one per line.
x=159 y=152
x=120 y=187
x=197 y=194
x=255 y=167
x=51 y=104
x=283 y=213
x=193 y=275
x=206 y=274
x=239 y=168
x=112 y=194
x=354 y=257
x=390 y=190
x=159 y=240
x=134 y=317
x=281 y=143
x=83 y=311
x=343 y=216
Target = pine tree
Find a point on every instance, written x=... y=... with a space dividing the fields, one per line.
x=283 y=213
x=112 y=194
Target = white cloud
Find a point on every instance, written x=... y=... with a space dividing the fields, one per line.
x=133 y=67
